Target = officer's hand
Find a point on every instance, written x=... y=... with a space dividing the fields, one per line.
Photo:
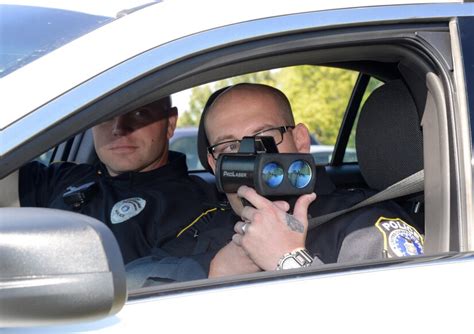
x=270 y=231
x=231 y=260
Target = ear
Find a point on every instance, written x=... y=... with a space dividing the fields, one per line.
x=211 y=162
x=172 y=121
x=301 y=138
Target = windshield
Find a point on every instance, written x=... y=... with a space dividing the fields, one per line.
x=28 y=32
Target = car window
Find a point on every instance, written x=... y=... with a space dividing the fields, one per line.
x=32 y=29
x=318 y=95
x=28 y=32
x=322 y=113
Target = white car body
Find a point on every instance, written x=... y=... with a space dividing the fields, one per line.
x=367 y=300
x=426 y=294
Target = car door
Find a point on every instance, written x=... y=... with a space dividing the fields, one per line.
x=424 y=45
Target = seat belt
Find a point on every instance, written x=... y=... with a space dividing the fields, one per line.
x=407 y=186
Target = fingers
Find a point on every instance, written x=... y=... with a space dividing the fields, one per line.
x=237 y=239
x=238 y=227
x=301 y=206
x=258 y=202
x=247 y=213
x=282 y=205
x=251 y=195
x=241 y=227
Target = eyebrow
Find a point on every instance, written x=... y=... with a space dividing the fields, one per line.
x=224 y=138
x=227 y=137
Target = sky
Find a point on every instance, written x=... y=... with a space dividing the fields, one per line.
x=181 y=100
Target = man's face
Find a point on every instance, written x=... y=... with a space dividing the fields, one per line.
x=245 y=113
x=136 y=141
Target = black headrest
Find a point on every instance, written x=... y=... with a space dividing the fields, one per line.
x=202 y=142
x=389 y=140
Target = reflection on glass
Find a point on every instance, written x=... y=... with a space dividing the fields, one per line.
x=299 y=174
x=272 y=174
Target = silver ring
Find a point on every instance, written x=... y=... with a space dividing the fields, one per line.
x=244 y=227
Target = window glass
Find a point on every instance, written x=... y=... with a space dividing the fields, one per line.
x=28 y=33
x=31 y=29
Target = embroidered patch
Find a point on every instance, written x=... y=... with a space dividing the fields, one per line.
x=126 y=209
x=400 y=239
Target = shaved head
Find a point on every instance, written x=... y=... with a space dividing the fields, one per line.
x=248 y=109
x=247 y=92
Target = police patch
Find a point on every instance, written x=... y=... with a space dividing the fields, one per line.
x=126 y=209
x=399 y=238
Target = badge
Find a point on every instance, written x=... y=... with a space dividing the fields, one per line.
x=126 y=209
x=399 y=238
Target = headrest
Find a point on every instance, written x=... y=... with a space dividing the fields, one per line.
x=202 y=142
x=389 y=139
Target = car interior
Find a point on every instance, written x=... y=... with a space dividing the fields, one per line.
x=398 y=128
x=390 y=114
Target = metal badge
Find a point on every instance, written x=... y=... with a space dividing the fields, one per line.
x=126 y=209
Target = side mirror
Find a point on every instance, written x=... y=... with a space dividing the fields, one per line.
x=57 y=267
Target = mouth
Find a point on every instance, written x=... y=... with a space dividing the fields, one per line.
x=123 y=149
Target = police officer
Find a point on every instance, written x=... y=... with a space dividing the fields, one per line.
x=267 y=236
x=139 y=188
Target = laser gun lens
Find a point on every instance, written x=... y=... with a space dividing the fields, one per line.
x=299 y=174
x=272 y=174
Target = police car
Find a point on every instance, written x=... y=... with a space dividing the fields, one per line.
x=62 y=272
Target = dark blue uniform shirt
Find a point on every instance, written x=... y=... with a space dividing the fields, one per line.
x=144 y=210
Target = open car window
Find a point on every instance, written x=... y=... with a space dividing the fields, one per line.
x=319 y=96
x=352 y=84
x=320 y=103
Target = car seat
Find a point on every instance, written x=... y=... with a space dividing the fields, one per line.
x=389 y=141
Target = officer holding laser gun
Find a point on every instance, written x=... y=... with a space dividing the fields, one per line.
x=272 y=233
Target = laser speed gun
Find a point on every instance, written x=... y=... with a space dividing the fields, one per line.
x=259 y=165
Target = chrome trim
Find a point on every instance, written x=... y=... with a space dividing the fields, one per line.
x=54 y=111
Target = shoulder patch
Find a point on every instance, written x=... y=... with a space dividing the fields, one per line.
x=126 y=209
x=399 y=238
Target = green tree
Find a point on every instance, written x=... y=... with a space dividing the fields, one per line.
x=200 y=94
x=319 y=96
x=197 y=101
x=263 y=77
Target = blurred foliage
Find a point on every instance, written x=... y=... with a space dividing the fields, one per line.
x=318 y=96
x=200 y=94
x=197 y=101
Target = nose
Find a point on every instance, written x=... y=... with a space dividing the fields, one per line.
x=120 y=126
